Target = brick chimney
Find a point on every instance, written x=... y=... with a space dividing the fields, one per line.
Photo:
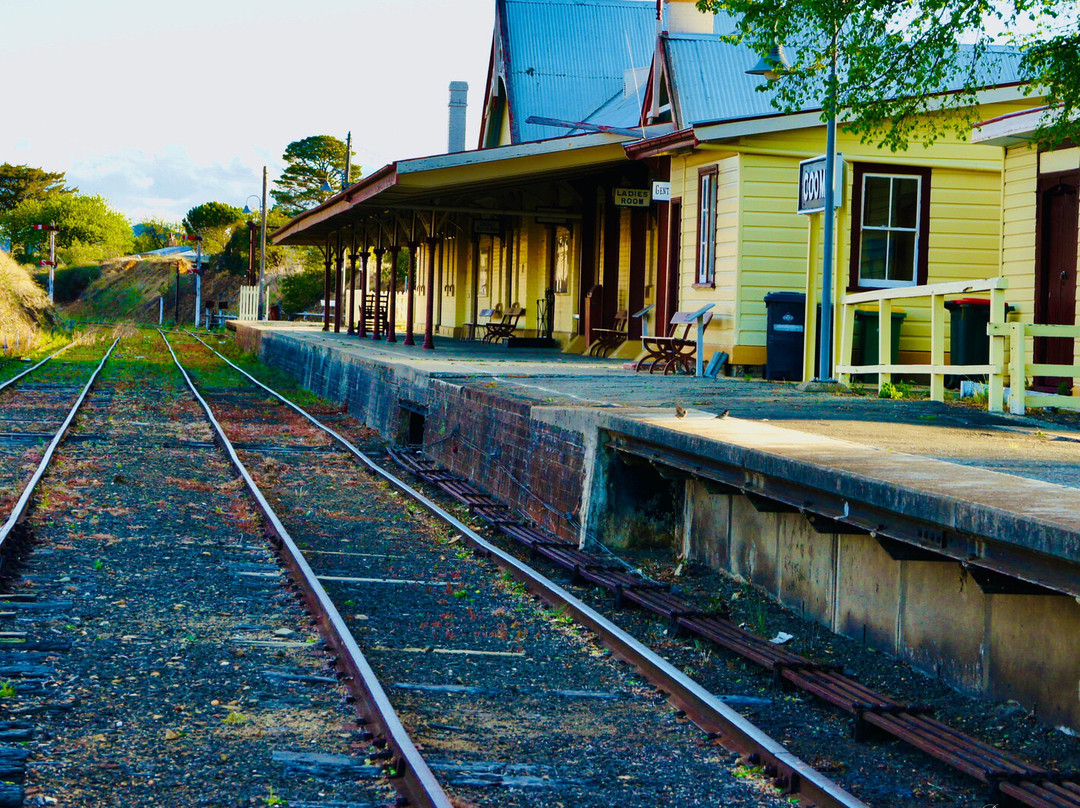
x=459 y=91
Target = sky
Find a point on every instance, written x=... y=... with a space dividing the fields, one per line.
x=160 y=106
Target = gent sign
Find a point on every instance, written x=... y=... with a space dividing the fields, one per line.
x=812 y=184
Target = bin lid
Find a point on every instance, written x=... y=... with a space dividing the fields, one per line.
x=873 y=311
x=785 y=297
x=967 y=301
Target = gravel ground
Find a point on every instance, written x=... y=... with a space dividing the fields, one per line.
x=511 y=703
x=885 y=774
x=176 y=678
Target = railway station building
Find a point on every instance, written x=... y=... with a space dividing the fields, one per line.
x=650 y=177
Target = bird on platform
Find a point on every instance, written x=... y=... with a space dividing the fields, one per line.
x=723 y=414
x=679 y=412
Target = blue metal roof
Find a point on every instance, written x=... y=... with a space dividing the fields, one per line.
x=566 y=59
x=709 y=84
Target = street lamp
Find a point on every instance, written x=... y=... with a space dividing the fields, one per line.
x=771 y=67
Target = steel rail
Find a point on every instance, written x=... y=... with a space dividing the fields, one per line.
x=408 y=771
x=23 y=504
x=1027 y=785
x=702 y=707
x=28 y=371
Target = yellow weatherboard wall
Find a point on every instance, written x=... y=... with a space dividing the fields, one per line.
x=764 y=245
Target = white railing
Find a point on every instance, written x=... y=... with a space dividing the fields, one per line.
x=249 y=303
x=1020 y=370
x=937 y=369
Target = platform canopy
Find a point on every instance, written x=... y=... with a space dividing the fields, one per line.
x=486 y=182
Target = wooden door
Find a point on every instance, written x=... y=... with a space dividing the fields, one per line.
x=1055 y=272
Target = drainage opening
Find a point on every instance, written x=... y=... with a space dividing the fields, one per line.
x=644 y=506
x=414 y=419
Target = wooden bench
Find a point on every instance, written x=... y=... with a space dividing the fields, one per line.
x=606 y=340
x=381 y=311
x=482 y=319
x=676 y=351
x=504 y=327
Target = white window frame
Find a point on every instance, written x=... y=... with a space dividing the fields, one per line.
x=886 y=283
x=706 y=226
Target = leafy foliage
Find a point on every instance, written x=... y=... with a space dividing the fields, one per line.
x=215 y=222
x=88 y=227
x=234 y=256
x=26 y=182
x=309 y=163
x=301 y=290
x=154 y=234
x=896 y=60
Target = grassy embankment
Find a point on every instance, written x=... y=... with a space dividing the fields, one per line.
x=129 y=289
x=27 y=322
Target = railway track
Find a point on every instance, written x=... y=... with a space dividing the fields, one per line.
x=507 y=707
x=483 y=687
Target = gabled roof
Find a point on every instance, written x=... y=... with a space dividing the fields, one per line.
x=706 y=78
x=567 y=60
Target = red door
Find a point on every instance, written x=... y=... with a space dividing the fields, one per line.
x=1055 y=271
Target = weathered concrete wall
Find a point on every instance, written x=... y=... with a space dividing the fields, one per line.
x=930 y=613
x=508 y=448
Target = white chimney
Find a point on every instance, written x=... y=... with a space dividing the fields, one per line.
x=683 y=17
x=459 y=91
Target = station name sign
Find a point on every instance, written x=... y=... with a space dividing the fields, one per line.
x=487 y=227
x=631 y=197
x=812 y=184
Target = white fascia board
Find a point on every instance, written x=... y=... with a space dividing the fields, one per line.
x=494 y=155
x=811 y=118
x=1008 y=130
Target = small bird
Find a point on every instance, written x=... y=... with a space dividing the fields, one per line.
x=679 y=412
x=723 y=414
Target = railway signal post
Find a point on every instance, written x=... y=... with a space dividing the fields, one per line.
x=51 y=263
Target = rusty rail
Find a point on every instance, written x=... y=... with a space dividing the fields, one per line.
x=407 y=770
x=702 y=707
x=1011 y=780
x=23 y=503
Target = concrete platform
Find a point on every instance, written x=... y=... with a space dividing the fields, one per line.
x=941 y=534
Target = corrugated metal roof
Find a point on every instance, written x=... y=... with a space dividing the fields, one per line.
x=567 y=60
x=709 y=81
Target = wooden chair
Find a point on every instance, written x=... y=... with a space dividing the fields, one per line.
x=504 y=327
x=482 y=319
x=676 y=351
x=606 y=340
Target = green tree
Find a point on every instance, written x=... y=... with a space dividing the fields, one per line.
x=26 y=182
x=215 y=222
x=897 y=60
x=153 y=234
x=234 y=257
x=310 y=163
x=89 y=229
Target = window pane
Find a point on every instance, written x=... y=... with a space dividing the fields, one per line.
x=875 y=248
x=905 y=207
x=902 y=256
x=876 y=201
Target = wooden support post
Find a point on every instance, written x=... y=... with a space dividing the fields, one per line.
x=429 y=340
x=1018 y=369
x=410 y=291
x=937 y=347
x=362 y=328
x=376 y=331
x=847 y=339
x=327 y=261
x=995 y=393
x=884 y=341
x=339 y=273
x=391 y=296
